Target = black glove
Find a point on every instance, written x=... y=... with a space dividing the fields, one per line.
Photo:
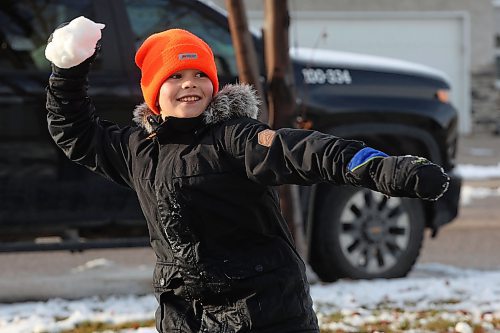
x=79 y=70
x=400 y=176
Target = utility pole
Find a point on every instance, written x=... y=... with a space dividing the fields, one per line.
x=246 y=57
x=282 y=106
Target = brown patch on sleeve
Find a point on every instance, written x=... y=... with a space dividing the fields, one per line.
x=266 y=137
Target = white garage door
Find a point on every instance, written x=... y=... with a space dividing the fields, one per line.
x=436 y=39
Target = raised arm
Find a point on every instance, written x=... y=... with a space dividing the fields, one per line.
x=99 y=145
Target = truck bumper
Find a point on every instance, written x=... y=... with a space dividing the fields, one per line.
x=446 y=208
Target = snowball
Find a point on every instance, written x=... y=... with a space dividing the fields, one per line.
x=74 y=42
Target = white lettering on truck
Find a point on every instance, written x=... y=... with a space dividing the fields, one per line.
x=326 y=76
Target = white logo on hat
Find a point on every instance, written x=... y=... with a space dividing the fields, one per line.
x=188 y=56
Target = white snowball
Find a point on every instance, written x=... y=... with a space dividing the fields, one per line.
x=74 y=42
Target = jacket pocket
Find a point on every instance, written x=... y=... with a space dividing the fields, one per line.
x=166 y=276
x=175 y=314
x=279 y=302
x=272 y=279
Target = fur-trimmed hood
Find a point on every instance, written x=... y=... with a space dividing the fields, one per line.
x=232 y=101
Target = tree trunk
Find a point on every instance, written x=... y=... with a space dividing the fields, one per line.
x=282 y=106
x=246 y=57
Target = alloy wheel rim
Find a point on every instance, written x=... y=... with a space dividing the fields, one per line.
x=374 y=231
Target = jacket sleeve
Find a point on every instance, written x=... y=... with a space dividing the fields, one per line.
x=289 y=156
x=99 y=145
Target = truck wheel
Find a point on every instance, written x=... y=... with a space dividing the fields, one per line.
x=362 y=234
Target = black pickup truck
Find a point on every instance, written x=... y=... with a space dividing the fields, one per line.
x=48 y=203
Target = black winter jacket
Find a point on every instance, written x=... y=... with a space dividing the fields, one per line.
x=225 y=258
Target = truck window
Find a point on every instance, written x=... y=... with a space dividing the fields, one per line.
x=25 y=26
x=150 y=16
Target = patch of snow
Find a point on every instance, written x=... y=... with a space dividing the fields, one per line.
x=462 y=327
x=476 y=172
x=57 y=314
x=93 y=264
x=475 y=290
x=470 y=193
x=433 y=286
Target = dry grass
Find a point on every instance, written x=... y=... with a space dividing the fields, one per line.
x=94 y=327
x=399 y=321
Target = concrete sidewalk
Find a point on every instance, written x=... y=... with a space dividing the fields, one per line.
x=471 y=240
x=479 y=149
x=28 y=276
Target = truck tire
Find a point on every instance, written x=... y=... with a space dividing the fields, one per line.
x=362 y=234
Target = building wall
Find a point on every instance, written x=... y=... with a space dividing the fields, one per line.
x=484 y=26
x=481 y=14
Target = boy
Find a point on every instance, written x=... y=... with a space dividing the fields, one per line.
x=203 y=169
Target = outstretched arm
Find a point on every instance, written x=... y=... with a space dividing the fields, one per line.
x=307 y=157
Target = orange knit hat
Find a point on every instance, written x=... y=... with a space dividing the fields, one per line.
x=164 y=53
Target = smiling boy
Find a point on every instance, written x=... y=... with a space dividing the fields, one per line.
x=204 y=170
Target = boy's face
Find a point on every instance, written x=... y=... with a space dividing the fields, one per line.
x=185 y=94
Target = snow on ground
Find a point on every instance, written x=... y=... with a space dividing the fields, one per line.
x=476 y=172
x=472 y=289
x=464 y=297
x=470 y=193
x=457 y=295
x=57 y=314
x=431 y=287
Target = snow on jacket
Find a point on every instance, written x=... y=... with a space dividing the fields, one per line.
x=225 y=258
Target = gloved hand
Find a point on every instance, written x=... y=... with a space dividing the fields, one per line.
x=73 y=46
x=73 y=43
x=402 y=176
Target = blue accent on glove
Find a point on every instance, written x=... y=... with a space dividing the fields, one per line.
x=364 y=156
